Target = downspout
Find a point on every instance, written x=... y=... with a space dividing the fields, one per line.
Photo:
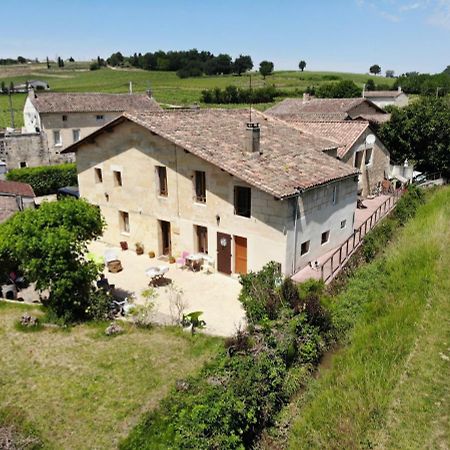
x=294 y=261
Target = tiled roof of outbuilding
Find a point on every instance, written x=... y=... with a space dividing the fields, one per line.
x=16 y=188
x=290 y=161
x=61 y=102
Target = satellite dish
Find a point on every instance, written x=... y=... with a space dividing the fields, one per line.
x=370 y=139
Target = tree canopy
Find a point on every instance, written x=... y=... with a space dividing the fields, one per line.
x=266 y=68
x=242 y=64
x=302 y=65
x=420 y=132
x=375 y=69
x=341 y=89
x=48 y=245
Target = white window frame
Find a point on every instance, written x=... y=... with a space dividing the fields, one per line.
x=308 y=244
x=57 y=142
x=78 y=132
x=327 y=236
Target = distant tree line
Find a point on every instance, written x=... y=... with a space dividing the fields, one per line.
x=341 y=89
x=189 y=63
x=9 y=61
x=234 y=95
x=424 y=83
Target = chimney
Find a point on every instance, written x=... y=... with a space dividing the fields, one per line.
x=252 y=138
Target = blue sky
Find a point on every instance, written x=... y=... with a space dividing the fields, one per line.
x=342 y=35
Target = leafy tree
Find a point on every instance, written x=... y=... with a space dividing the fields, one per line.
x=446 y=70
x=48 y=63
x=424 y=84
x=60 y=62
x=342 y=89
x=420 y=132
x=116 y=59
x=375 y=69
x=390 y=74
x=49 y=244
x=71 y=59
x=370 y=85
x=21 y=60
x=242 y=64
x=266 y=68
x=302 y=65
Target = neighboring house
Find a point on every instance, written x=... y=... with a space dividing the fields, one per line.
x=65 y=118
x=206 y=180
x=37 y=85
x=14 y=196
x=386 y=98
x=329 y=109
x=358 y=145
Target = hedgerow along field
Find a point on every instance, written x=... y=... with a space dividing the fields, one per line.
x=166 y=86
x=76 y=388
x=389 y=387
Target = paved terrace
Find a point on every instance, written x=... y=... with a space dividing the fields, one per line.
x=361 y=215
x=214 y=294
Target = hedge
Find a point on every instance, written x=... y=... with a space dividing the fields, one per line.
x=46 y=180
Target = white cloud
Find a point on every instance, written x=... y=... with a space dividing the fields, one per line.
x=410 y=7
x=441 y=15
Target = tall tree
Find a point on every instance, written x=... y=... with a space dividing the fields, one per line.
x=375 y=69
x=302 y=65
x=266 y=68
x=390 y=74
x=242 y=64
x=48 y=63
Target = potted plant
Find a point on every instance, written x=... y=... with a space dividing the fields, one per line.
x=151 y=254
x=172 y=259
x=139 y=248
x=124 y=245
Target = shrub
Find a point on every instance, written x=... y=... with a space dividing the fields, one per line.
x=341 y=89
x=94 y=66
x=234 y=95
x=407 y=206
x=47 y=179
x=376 y=240
x=99 y=306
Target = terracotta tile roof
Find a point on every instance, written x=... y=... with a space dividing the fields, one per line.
x=16 y=188
x=374 y=118
x=344 y=133
x=392 y=94
x=291 y=160
x=60 y=102
x=320 y=108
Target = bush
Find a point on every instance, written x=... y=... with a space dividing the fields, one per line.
x=341 y=89
x=99 y=306
x=407 y=206
x=234 y=95
x=47 y=179
x=376 y=240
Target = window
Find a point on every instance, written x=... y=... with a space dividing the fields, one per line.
x=64 y=118
x=23 y=164
x=99 y=116
x=343 y=223
x=76 y=135
x=200 y=186
x=117 y=175
x=202 y=239
x=358 y=159
x=304 y=249
x=242 y=201
x=325 y=237
x=368 y=160
x=57 y=138
x=98 y=175
x=162 y=177
x=124 y=220
x=335 y=192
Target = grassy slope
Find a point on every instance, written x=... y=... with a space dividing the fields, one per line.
x=389 y=387
x=166 y=86
x=80 y=389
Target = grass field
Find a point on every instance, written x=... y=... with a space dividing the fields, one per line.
x=390 y=386
x=166 y=86
x=79 y=389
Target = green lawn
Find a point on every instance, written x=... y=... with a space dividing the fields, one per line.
x=79 y=389
x=166 y=86
x=390 y=386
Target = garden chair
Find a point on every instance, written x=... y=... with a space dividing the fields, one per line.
x=181 y=261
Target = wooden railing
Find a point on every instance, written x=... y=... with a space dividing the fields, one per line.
x=339 y=258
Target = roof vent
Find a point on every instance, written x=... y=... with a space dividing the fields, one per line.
x=252 y=138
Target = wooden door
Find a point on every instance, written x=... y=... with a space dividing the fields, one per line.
x=166 y=243
x=224 y=253
x=240 y=255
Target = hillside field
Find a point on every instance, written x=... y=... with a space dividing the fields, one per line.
x=166 y=86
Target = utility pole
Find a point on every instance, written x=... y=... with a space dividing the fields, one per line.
x=11 y=110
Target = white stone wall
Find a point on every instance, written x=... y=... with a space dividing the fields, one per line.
x=31 y=119
x=317 y=214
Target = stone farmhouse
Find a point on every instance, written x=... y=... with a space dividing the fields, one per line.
x=358 y=146
x=244 y=192
x=386 y=98
x=64 y=118
x=329 y=109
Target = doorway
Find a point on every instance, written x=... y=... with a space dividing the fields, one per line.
x=224 y=253
x=166 y=243
x=240 y=255
x=202 y=239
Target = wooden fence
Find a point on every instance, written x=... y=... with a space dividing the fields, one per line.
x=339 y=258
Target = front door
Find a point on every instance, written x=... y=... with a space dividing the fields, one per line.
x=165 y=238
x=240 y=255
x=224 y=253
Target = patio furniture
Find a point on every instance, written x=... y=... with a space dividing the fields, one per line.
x=195 y=261
x=112 y=261
x=208 y=264
x=181 y=262
x=156 y=274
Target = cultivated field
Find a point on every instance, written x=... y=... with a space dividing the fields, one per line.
x=166 y=86
x=389 y=388
x=79 y=389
